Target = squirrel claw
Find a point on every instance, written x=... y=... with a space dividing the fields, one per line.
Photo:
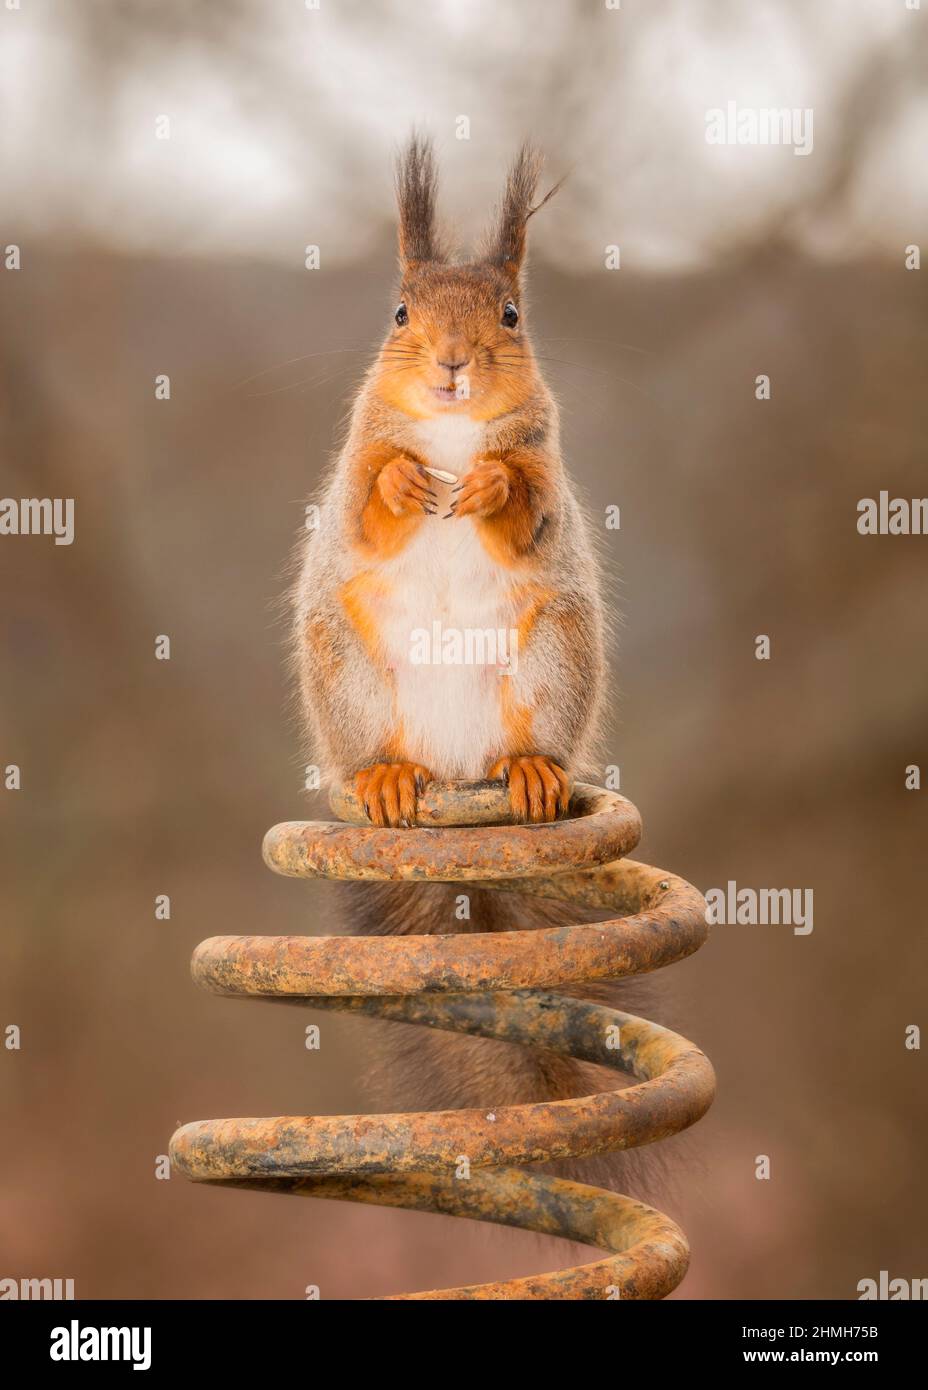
x=402 y=487
x=389 y=792
x=539 y=788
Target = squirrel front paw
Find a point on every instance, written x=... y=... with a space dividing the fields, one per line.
x=539 y=790
x=389 y=792
x=404 y=487
x=481 y=492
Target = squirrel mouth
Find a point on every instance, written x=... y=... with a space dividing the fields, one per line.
x=447 y=393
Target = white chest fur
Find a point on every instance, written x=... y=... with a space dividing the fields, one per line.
x=450 y=442
x=441 y=590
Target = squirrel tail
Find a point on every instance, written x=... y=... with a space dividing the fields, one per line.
x=410 y=1067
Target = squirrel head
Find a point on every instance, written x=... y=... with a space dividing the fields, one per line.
x=458 y=342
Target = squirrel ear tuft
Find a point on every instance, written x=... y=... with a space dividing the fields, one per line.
x=506 y=243
x=416 y=190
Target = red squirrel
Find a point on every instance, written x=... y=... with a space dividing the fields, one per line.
x=454 y=394
x=456 y=388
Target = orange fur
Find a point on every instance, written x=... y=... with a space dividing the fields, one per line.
x=539 y=788
x=536 y=598
x=508 y=494
x=358 y=598
x=389 y=791
x=455 y=317
x=388 y=517
x=517 y=716
x=517 y=720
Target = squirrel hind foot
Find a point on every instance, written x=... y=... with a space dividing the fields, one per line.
x=389 y=792
x=539 y=788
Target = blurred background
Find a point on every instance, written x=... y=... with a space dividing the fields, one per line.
x=185 y=256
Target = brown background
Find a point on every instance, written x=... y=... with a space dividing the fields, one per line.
x=143 y=777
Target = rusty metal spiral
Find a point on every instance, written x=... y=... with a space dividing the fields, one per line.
x=490 y=985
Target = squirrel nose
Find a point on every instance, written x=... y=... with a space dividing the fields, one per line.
x=453 y=355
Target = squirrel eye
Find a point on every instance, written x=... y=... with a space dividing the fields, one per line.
x=510 y=315
x=401 y=316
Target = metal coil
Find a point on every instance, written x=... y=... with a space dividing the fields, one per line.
x=492 y=985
